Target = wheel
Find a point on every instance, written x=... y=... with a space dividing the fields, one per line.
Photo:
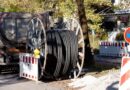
x=36 y=39
x=73 y=24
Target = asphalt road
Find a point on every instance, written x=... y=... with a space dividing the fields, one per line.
x=13 y=82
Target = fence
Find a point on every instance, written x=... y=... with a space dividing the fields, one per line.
x=28 y=66
x=116 y=49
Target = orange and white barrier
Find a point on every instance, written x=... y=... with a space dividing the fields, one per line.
x=125 y=74
x=117 y=49
x=28 y=66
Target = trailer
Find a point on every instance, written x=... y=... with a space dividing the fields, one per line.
x=11 y=40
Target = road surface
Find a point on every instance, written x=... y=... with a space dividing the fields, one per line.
x=13 y=82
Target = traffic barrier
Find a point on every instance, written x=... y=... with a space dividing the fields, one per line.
x=28 y=66
x=118 y=49
x=124 y=83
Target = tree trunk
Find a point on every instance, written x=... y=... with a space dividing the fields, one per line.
x=89 y=61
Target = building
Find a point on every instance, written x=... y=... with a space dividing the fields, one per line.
x=119 y=19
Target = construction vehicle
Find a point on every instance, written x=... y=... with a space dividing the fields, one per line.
x=13 y=31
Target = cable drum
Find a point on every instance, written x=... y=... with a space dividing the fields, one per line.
x=73 y=25
x=61 y=48
x=62 y=54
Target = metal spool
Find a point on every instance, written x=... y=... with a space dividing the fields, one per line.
x=73 y=25
x=36 y=38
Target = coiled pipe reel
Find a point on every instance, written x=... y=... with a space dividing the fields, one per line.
x=67 y=47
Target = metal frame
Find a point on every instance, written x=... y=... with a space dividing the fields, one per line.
x=43 y=43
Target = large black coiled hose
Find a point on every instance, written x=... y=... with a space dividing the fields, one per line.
x=74 y=49
x=66 y=43
x=51 y=58
x=58 y=53
x=62 y=54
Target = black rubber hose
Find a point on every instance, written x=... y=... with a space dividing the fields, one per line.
x=66 y=41
x=71 y=50
x=64 y=48
x=54 y=50
x=72 y=43
x=50 y=64
x=62 y=53
x=59 y=54
x=74 y=49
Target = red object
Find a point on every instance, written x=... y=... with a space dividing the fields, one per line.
x=125 y=74
x=127 y=31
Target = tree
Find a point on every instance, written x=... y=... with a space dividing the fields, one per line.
x=124 y=4
x=87 y=17
x=83 y=22
x=20 y=6
x=93 y=9
x=65 y=7
x=83 y=8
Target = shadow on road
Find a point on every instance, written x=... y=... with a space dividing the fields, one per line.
x=111 y=87
x=10 y=78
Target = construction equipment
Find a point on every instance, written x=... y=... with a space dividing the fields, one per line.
x=61 y=48
x=58 y=47
x=12 y=39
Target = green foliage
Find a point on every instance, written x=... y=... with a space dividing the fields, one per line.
x=20 y=6
x=124 y=4
x=94 y=18
x=102 y=35
x=67 y=8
